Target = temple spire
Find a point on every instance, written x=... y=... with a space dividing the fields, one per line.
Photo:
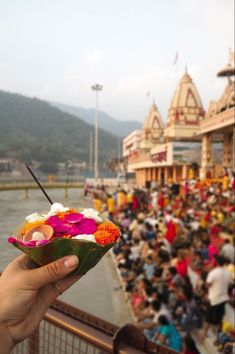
x=152 y=129
x=185 y=111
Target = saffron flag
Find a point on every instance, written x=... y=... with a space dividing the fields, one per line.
x=176 y=58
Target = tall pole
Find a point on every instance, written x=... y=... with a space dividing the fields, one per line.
x=119 y=153
x=97 y=136
x=91 y=152
x=96 y=88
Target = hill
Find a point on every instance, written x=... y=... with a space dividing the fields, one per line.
x=106 y=122
x=31 y=129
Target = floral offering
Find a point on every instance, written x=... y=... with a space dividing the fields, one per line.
x=64 y=231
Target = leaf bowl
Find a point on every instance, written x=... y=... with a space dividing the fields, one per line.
x=89 y=253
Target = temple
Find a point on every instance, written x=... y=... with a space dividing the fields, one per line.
x=193 y=143
x=218 y=128
x=153 y=129
x=185 y=112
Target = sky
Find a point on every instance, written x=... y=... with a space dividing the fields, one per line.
x=57 y=49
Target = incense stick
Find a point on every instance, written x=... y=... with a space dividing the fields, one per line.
x=39 y=184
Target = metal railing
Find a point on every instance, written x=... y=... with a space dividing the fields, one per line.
x=43 y=179
x=31 y=185
x=68 y=330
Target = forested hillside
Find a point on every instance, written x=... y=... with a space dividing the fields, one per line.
x=31 y=129
x=108 y=123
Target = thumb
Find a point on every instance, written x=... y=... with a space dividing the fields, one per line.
x=53 y=271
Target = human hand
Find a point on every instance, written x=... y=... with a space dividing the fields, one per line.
x=27 y=293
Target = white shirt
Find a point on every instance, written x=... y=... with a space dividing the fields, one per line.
x=219 y=280
x=195 y=225
x=168 y=217
x=135 y=252
x=228 y=251
x=163 y=311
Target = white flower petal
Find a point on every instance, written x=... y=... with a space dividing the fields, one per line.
x=57 y=208
x=92 y=214
x=35 y=217
x=86 y=238
x=38 y=236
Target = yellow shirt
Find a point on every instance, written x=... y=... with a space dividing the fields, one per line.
x=191 y=174
x=166 y=201
x=220 y=217
x=121 y=199
x=97 y=205
x=110 y=205
x=225 y=181
x=203 y=222
x=227 y=326
x=129 y=198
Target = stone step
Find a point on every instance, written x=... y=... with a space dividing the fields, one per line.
x=206 y=346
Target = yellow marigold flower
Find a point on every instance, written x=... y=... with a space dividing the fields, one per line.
x=30 y=225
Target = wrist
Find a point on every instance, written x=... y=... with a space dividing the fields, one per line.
x=5 y=340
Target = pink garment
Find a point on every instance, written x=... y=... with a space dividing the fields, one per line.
x=136 y=300
x=134 y=203
x=233 y=185
x=160 y=202
x=215 y=230
x=212 y=251
x=182 y=267
x=171 y=232
x=186 y=189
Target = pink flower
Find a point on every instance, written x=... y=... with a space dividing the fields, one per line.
x=73 y=218
x=72 y=224
x=29 y=244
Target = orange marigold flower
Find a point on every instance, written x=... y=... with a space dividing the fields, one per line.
x=106 y=233
x=30 y=225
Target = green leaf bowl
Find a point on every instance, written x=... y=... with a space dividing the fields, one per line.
x=89 y=253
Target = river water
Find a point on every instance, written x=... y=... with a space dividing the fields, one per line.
x=98 y=291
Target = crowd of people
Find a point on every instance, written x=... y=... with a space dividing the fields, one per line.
x=176 y=259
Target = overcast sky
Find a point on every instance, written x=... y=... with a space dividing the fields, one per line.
x=56 y=49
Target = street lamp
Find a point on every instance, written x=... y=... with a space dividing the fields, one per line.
x=96 y=88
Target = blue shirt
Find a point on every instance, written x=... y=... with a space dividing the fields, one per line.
x=150 y=235
x=173 y=338
x=149 y=270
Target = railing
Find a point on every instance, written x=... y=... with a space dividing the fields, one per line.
x=26 y=184
x=68 y=330
x=31 y=185
x=43 y=179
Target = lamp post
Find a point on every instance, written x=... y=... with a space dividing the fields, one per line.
x=91 y=152
x=96 y=88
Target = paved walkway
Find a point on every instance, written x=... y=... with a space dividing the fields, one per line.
x=99 y=292
x=207 y=347
x=122 y=310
